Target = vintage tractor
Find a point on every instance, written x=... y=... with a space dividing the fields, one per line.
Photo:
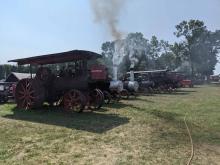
x=4 y=91
x=130 y=85
x=157 y=81
x=75 y=86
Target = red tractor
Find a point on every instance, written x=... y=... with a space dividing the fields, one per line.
x=75 y=86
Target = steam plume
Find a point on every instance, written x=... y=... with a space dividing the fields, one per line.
x=107 y=12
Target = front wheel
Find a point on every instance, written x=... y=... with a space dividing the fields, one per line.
x=74 y=101
x=29 y=94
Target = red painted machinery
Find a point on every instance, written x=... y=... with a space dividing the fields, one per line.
x=186 y=83
x=74 y=87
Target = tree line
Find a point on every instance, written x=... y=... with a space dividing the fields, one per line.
x=6 y=69
x=195 y=55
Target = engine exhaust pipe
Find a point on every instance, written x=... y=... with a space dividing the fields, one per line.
x=115 y=72
x=132 y=74
x=116 y=85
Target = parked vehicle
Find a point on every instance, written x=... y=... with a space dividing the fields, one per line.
x=77 y=86
x=156 y=81
x=4 y=92
x=186 y=83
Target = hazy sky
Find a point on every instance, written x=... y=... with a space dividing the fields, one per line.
x=36 y=27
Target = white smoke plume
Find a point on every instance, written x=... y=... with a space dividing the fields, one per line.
x=135 y=47
x=119 y=52
x=107 y=12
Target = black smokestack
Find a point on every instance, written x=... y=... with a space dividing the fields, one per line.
x=107 y=12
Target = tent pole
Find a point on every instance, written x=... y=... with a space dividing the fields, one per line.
x=31 y=70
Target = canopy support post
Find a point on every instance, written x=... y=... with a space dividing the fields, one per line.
x=31 y=71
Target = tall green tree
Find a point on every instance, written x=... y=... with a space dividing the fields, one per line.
x=166 y=58
x=154 y=53
x=199 y=46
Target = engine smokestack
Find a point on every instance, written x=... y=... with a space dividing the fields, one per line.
x=115 y=72
x=131 y=74
x=116 y=85
x=131 y=85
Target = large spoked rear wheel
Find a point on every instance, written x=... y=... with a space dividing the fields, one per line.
x=74 y=101
x=28 y=95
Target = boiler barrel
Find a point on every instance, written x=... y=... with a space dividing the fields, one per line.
x=116 y=86
x=62 y=83
x=131 y=86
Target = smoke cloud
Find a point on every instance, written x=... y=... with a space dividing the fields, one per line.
x=107 y=12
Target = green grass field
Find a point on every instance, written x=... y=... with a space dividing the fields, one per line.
x=146 y=130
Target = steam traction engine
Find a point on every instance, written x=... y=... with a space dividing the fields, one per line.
x=74 y=87
x=157 y=80
x=130 y=85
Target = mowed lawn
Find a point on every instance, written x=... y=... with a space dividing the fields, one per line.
x=145 y=130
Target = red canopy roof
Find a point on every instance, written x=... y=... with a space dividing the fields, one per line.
x=58 y=57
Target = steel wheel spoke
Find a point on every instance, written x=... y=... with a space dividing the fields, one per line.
x=25 y=94
x=32 y=97
x=23 y=88
x=21 y=92
x=22 y=97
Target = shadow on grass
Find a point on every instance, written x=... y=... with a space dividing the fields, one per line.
x=88 y=121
